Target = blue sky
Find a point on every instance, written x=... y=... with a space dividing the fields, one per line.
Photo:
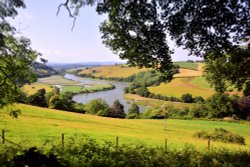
x=51 y=35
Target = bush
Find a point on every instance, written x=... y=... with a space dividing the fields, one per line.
x=220 y=134
x=88 y=152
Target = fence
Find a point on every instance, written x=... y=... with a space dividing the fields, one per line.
x=4 y=140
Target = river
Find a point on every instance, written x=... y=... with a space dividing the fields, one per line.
x=108 y=95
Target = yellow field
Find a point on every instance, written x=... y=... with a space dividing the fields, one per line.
x=118 y=71
x=36 y=125
x=34 y=87
x=179 y=86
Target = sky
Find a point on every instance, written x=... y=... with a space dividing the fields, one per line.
x=51 y=35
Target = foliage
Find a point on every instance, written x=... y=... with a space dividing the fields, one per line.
x=84 y=151
x=219 y=106
x=38 y=99
x=97 y=106
x=187 y=98
x=133 y=111
x=229 y=70
x=117 y=110
x=220 y=134
x=241 y=107
x=16 y=55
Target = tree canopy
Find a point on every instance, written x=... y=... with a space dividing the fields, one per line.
x=16 y=55
x=138 y=30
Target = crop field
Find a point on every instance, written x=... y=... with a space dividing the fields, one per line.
x=119 y=71
x=179 y=86
x=36 y=125
x=34 y=87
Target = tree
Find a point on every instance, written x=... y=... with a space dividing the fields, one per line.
x=187 y=98
x=133 y=111
x=117 y=110
x=16 y=55
x=38 y=99
x=219 y=106
x=96 y=106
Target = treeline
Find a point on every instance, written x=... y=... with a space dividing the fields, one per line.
x=88 y=152
x=64 y=101
x=217 y=106
x=231 y=107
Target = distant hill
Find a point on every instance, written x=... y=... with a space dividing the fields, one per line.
x=42 y=70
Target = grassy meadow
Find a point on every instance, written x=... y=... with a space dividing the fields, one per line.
x=36 y=125
x=157 y=103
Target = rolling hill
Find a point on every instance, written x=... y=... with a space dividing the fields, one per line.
x=37 y=125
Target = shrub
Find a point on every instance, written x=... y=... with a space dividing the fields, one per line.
x=220 y=134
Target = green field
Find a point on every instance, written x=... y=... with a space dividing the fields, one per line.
x=188 y=65
x=79 y=88
x=36 y=125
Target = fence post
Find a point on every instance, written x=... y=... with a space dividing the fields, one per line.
x=208 y=144
x=62 y=140
x=117 y=142
x=166 y=144
x=3 y=137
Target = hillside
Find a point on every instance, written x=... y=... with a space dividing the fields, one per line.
x=113 y=71
x=42 y=70
x=36 y=125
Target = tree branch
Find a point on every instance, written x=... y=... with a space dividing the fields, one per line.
x=69 y=12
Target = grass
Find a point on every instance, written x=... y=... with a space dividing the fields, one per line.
x=201 y=82
x=118 y=71
x=187 y=65
x=78 y=88
x=34 y=87
x=179 y=86
x=156 y=103
x=36 y=125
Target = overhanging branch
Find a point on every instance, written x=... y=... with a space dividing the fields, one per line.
x=66 y=5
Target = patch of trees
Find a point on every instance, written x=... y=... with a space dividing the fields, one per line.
x=217 y=106
x=55 y=100
x=101 y=108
